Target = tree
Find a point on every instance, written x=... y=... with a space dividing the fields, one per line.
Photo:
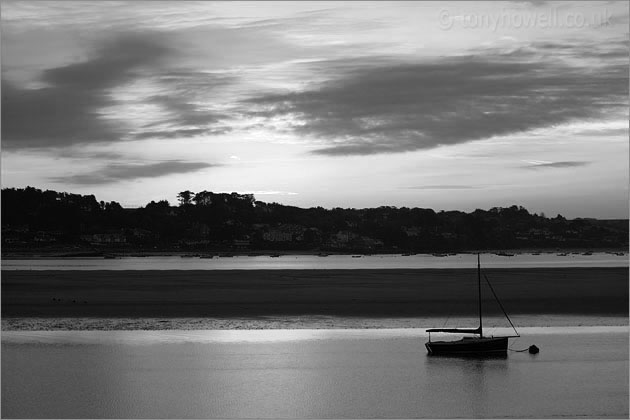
x=113 y=206
x=185 y=197
x=159 y=206
x=203 y=198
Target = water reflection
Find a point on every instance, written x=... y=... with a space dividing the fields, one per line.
x=471 y=377
x=345 y=374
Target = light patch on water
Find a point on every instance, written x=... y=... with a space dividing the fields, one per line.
x=579 y=373
x=260 y=336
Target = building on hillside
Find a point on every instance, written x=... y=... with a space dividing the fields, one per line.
x=412 y=231
x=105 y=238
x=283 y=233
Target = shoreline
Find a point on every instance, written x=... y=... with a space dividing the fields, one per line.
x=301 y=323
x=44 y=254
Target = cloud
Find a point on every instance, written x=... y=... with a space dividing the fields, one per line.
x=177 y=133
x=113 y=62
x=53 y=116
x=71 y=107
x=66 y=110
x=614 y=49
x=443 y=187
x=180 y=113
x=129 y=171
x=534 y=3
x=266 y=192
x=370 y=106
x=74 y=153
x=563 y=164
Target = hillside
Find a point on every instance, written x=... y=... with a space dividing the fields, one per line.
x=35 y=219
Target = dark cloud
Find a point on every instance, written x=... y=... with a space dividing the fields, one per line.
x=183 y=113
x=68 y=110
x=621 y=132
x=74 y=153
x=115 y=172
x=53 y=116
x=113 y=63
x=175 y=134
x=369 y=107
x=615 y=49
x=564 y=164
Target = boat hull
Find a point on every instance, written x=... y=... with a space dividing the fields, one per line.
x=478 y=346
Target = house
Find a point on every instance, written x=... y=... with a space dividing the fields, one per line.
x=345 y=236
x=276 y=235
x=412 y=231
x=105 y=238
x=283 y=233
x=44 y=237
x=241 y=243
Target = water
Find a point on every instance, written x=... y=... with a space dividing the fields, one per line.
x=580 y=372
x=313 y=262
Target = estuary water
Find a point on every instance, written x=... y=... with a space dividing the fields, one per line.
x=314 y=262
x=579 y=372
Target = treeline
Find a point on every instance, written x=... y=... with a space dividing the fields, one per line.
x=218 y=221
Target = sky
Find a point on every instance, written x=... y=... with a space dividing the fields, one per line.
x=450 y=106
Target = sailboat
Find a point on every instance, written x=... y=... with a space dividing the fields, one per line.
x=472 y=346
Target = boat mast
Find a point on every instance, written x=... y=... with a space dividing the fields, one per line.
x=479 y=289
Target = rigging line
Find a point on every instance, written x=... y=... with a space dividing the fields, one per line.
x=450 y=313
x=447 y=318
x=500 y=305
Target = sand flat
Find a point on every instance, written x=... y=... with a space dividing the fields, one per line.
x=360 y=293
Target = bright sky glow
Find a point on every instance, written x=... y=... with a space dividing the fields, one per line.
x=451 y=106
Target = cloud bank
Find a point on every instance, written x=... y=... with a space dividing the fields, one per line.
x=71 y=108
x=563 y=164
x=129 y=171
x=374 y=106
